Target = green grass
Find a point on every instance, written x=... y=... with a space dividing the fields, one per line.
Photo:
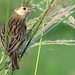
x=54 y=59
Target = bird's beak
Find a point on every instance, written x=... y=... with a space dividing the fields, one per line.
x=30 y=10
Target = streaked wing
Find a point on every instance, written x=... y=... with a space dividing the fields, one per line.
x=2 y=36
x=12 y=41
x=16 y=33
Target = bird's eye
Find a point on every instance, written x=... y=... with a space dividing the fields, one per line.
x=24 y=8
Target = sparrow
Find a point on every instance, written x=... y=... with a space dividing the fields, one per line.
x=17 y=32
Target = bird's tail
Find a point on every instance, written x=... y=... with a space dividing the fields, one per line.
x=14 y=61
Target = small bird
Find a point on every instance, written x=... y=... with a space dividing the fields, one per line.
x=16 y=33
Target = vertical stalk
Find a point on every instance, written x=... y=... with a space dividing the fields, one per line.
x=37 y=62
x=39 y=50
x=5 y=44
x=47 y=3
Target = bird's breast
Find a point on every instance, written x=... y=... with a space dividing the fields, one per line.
x=16 y=27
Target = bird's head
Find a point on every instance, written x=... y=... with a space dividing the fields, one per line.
x=23 y=11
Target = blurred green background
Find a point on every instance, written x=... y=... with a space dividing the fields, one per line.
x=54 y=59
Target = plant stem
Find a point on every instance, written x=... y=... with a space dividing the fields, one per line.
x=36 y=67
x=6 y=33
x=38 y=24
